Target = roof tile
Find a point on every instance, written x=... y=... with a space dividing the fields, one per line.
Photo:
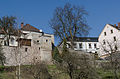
x=28 y=27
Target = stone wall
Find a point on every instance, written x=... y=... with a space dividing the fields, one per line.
x=26 y=55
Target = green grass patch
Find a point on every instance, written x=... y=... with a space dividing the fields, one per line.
x=51 y=67
x=104 y=74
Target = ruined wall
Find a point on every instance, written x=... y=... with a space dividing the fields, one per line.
x=15 y=55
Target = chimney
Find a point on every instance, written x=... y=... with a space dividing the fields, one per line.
x=22 y=24
x=119 y=25
x=114 y=25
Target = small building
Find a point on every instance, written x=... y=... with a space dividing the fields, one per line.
x=86 y=44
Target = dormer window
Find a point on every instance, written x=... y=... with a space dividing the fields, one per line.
x=111 y=31
x=105 y=33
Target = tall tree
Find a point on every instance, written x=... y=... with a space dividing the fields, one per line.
x=7 y=25
x=69 y=22
x=76 y=64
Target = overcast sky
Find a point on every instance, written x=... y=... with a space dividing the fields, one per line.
x=39 y=12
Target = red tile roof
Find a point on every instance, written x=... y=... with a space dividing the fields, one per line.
x=28 y=27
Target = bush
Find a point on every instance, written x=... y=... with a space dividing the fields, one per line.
x=109 y=77
x=7 y=68
x=2 y=68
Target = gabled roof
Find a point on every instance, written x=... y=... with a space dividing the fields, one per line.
x=28 y=27
x=116 y=27
x=84 y=39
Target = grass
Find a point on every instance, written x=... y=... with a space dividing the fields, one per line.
x=104 y=74
x=51 y=68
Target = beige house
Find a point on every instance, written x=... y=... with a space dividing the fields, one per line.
x=32 y=45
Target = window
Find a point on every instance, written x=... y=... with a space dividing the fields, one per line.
x=114 y=38
x=74 y=45
x=111 y=31
x=105 y=33
x=38 y=41
x=90 y=45
x=115 y=47
x=104 y=42
x=90 y=52
x=26 y=49
x=46 y=40
x=68 y=45
x=95 y=46
x=80 y=45
x=25 y=42
x=12 y=40
x=5 y=43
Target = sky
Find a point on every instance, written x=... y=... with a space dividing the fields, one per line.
x=39 y=12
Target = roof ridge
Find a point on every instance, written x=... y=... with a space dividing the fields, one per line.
x=29 y=27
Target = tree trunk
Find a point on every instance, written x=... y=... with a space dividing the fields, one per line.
x=7 y=41
x=115 y=74
x=19 y=72
x=70 y=74
x=2 y=62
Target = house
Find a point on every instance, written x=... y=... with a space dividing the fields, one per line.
x=86 y=44
x=32 y=45
x=110 y=36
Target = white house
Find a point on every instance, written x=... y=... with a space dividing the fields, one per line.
x=86 y=44
x=110 y=35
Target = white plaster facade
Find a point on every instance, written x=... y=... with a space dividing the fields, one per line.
x=90 y=47
x=86 y=44
x=110 y=34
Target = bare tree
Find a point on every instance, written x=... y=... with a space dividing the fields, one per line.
x=69 y=22
x=38 y=70
x=77 y=65
x=7 y=26
x=10 y=28
x=113 y=52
